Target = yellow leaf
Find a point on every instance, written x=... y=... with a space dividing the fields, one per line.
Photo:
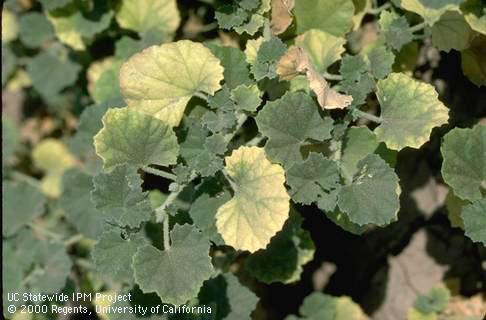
x=161 y=80
x=260 y=205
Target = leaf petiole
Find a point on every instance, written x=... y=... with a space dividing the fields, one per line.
x=160 y=173
x=367 y=116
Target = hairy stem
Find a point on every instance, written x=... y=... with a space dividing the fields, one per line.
x=367 y=116
x=160 y=173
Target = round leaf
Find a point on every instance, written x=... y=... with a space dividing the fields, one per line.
x=134 y=138
x=464 y=152
x=474 y=218
x=260 y=204
x=143 y=16
x=178 y=273
x=332 y=16
x=372 y=197
x=409 y=110
x=161 y=80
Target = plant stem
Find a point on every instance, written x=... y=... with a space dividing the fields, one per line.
x=208 y=27
x=44 y=231
x=201 y=95
x=72 y=240
x=232 y=184
x=367 y=116
x=160 y=173
x=418 y=27
x=255 y=141
x=379 y=9
x=329 y=76
x=165 y=226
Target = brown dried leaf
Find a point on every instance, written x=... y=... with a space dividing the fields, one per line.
x=296 y=61
x=292 y=63
x=281 y=15
x=327 y=97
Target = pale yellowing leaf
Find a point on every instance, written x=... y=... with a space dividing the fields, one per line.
x=161 y=80
x=53 y=158
x=10 y=26
x=146 y=15
x=323 y=48
x=66 y=31
x=430 y=11
x=134 y=138
x=95 y=70
x=251 y=50
x=260 y=205
x=410 y=109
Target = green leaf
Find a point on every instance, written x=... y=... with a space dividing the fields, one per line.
x=357 y=80
x=395 y=29
x=373 y=195
x=451 y=32
x=34 y=266
x=474 y=217
x=21 y=204
x=230 y=15
x=269 y=52
x=76 y=202
x=227 y=298
x=331 y=16
x=246 y=97
x=198 y=154
x=236 y=71
x=10 y=140
x=119 y=196
x=435 y=300
x=288 y=122
x=342 y=220
x=357 y=144
x=410 y=110
x=323 y=48
x=161 y=80
x=283 y=259
x=430 y=10
x=203 y=212
x=149 y=15
x=260 y=204
x=381 y=61
x=473 y=63
x=54 y=4
x=134 y=138
x=175 y=274
x=35 y=29
x=464 y=153
x=319 y=306
x=51 y=71
x=113 y=254
x=312 y=179
x=89 y=124
x=9 y=63
x=76 y=24
x=106 y=86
